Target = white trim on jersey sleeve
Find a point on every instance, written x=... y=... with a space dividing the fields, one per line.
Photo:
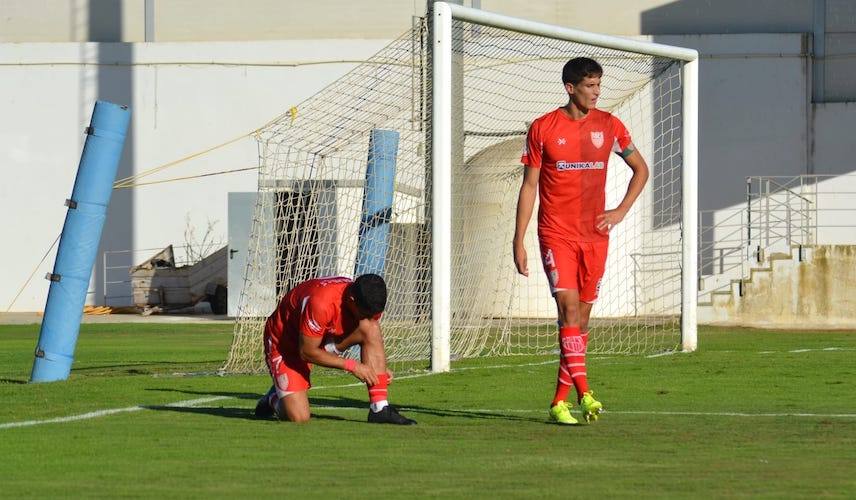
x=313 y=325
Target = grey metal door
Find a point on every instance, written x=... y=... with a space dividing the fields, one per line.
x=241 y=207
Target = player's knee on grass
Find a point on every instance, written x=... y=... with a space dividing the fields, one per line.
x=294 y=408
x=300 y=419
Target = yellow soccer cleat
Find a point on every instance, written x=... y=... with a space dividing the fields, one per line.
x=561 y=414
x=591 y=407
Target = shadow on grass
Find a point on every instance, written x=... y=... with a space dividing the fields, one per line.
x=216 y=411
x=231 y=412
x=13 y=381
x=329 y=403
x=339 y=402
x=227 y=394
x=134 y=368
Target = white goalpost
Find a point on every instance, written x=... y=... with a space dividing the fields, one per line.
x=451 y=101
x=444 y=17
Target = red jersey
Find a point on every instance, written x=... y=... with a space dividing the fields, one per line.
x=313 y=308
x=573 y=156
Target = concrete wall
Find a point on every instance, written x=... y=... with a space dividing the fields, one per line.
x=752 y=112
x=756 y=116
x=832 y=23
x=72 y=21
x=816 y=293
x=185 y=98
x=202 y=20
x=831 y=150
x=226 y=20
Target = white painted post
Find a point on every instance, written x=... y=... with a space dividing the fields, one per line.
x=689 y=296
x=441 y=218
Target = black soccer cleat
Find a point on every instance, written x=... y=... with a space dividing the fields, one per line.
x=263 y=407
x=389 y=415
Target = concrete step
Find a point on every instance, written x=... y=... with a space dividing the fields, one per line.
x=811 y=285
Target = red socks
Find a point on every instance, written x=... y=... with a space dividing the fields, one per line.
x=378 y=392
x=563 y=384
x=572 y=365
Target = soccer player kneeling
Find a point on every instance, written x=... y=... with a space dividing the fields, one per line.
x=314 y=323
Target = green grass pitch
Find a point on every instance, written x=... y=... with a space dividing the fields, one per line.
x=751 y=414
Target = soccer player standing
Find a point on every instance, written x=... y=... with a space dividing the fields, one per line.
x=313 y=324
x=565 y=159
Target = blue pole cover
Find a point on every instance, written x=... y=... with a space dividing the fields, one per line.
x=377 y=202
x=78 y=244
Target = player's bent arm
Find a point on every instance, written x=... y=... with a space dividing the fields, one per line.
x=607 y=220
x=637 y=164
x=313 y=352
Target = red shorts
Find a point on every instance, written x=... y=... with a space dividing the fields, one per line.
x=289 y=372
x=574 y=265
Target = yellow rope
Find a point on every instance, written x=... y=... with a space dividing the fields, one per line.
x=45 y=256
x=129 y=181
x=174 y=179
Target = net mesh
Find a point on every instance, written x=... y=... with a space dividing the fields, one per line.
x=309 y=214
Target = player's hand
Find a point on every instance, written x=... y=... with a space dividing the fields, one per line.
x=607 y=220
x=365 y=373
x=520 y=259
x=389 y=374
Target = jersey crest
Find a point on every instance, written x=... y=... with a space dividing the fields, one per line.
x=597 y=139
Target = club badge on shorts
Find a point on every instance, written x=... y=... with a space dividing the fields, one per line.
x=597 y=139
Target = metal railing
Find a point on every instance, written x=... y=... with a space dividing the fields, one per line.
x=781 y=212
x=721 y=243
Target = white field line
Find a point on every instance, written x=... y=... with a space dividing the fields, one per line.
x=611 y=412
x=823 y=349
x=816 y=349
x=590 y=357
x=669 y=353
x=736 y=414
x=104 y=413
x=193 y=402
x=179 y=404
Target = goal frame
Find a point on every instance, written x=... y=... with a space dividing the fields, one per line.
x=443 y=16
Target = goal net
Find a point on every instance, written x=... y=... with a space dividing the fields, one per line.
x=313 y=219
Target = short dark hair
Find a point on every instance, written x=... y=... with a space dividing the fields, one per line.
x=369 y=291
x=580 y=67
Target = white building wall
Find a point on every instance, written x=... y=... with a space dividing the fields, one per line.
x=212 y=20
x=756 y=119
x=185 y=98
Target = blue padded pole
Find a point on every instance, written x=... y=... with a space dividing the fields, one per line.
x=377 y=202
x=78 y=243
